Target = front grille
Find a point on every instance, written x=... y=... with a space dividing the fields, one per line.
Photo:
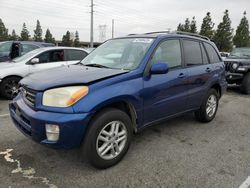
x=29 y=96
x=229 y=66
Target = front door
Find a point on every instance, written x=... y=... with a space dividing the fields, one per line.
x=166 y=94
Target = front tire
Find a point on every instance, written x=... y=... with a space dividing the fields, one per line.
x=108 y=138
x=245 y=85
x=208 y=109
x=9 y=87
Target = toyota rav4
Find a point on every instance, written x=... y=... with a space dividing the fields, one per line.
x=123 y=86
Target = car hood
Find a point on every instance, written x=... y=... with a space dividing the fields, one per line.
x=68 y=75
x=232 y=60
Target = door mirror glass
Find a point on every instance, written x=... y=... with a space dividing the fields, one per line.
x=34 y=61
x=159 y=68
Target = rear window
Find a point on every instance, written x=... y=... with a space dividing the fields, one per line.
x=212 y=54
x=75 y=55
x=192 y=53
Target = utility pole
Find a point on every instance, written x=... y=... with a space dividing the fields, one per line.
x=92 y=25
x=113 y=27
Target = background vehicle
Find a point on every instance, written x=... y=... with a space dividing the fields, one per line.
x=37 y=60
x=123 y=86
x=12 y=49
x=238 y=68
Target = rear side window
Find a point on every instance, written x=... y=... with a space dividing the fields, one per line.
x=192 y=53
x=168 y=52
x=28 y=47
x=75 y=55
x=212 y=54
x=204 y=55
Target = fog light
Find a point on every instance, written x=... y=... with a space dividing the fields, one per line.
x=52 y=132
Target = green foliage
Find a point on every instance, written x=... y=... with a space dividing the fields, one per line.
x=188 y=26
x=241 y=38
x=38 y=32
x=193 y=27
x=24 y=33
x=66 y=40
x=48 y=37
x=3 y=31
x=207 y=26
x=77 y=40
x=13 y=36
x=224 y=34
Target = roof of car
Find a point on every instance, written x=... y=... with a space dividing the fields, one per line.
x=40 y=44
x=168 y=34
x=60 y=48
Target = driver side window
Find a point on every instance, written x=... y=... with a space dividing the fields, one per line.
x=168 y=52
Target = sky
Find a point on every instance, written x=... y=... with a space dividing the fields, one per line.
x=130 y=16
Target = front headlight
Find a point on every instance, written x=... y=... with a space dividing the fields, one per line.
x=65 y=96
x=235 y=66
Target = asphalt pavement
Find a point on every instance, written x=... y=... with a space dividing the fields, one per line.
x=178 y=153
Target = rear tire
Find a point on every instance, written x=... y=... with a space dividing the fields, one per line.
x=209 y=107
x=9 y=87
x=245 y=85
x=108 y=138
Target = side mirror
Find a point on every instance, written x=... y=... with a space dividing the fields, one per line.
x=159 y=68
x=34 y=61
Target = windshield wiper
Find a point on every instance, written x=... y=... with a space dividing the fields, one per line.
x=97 y=65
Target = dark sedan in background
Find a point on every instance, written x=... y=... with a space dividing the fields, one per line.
x=12 y=49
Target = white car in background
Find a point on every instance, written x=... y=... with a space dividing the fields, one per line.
x=37 y=60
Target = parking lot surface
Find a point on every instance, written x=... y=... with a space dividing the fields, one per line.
x=178 y=153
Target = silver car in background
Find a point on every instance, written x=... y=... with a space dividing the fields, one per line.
x=37 y=60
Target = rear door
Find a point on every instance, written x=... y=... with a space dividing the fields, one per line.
x=166 y=94
x=199 y=71
x=48 y=60
x=74 y=56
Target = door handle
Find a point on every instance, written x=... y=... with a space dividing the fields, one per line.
x=181 y=75
x=208 y=69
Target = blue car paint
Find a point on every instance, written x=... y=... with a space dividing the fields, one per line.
x=153 y=97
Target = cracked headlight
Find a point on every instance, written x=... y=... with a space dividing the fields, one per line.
x=65 y=96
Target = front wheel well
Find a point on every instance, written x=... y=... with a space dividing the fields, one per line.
x=126 y=107
x=217 y=87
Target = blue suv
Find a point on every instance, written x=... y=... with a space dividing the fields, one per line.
x=123 y=86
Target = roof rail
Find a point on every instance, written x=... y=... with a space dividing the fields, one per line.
x=179 y=32
x=155 y=32
x=191 y=34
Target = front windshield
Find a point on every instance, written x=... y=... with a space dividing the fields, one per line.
x=119 y=53
x=26 y=56
x=242 y=53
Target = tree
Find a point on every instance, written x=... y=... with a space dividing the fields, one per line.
x=48 y=37
x=38 y=32
x=13 y=35
x=24 y=33
x=180 y=27
x=193 y=27
x=224 y=34
x=184 y=27
x=66 y=40
x=241 y=38
x=77 y=40
x=187 y=25
x=3 y=31
x=207 y=26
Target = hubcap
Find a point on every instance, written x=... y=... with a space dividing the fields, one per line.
x=11 y=88
x=211 y=105
x=111 y=140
